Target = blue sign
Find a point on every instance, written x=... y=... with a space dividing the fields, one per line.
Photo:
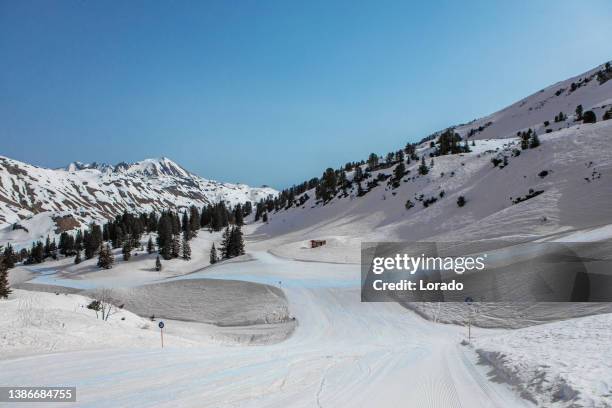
x=161 y=325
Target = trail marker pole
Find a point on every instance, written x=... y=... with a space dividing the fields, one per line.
x=469 y=301
x=161 y=332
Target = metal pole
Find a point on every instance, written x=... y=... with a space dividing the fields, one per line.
x=161 y=331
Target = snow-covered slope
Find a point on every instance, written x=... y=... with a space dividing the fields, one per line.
x=571 y=167
x=592 y=90
x=43 y=201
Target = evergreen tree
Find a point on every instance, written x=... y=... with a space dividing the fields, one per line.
x=77 y=258
x=38 y=252
x=423 y=169
x=118 y=237
x=372 y=160
x=237 y=242
x=105 y=257
x=9 y=256
x=238 y=215
x=53 y=249
x=226 y=243
x=176 y=247
x=158 y=264
x=126 y=251
x=264 y=217
x=150 y=247
x=327 y=188
x=164 y=236
x=5 y=289
x=92 y=239
x=535 y=141
x=579 y=112
x=399 y=171
x=47 y=248
x=186 y=250
x=461 y=201
x=194 y=220
x=186 y=226
x=213 y=254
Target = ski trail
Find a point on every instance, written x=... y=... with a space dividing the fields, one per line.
x=343 y=353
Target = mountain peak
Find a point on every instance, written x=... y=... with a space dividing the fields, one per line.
x=153 y=167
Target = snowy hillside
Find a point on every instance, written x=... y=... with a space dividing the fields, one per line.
x=592 y=90
x=37 y=201
x=509 y=191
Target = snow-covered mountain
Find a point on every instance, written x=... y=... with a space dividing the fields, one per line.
x=36 y=201
x=562 y=185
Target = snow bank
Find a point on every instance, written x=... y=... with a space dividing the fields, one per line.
x=561 y=364
x=40 y=323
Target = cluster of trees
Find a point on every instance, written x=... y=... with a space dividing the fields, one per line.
x=561 y=117
x=232 y=244
x=529 y=139
x=334 y=182
x=449 y=142
x=174 y=231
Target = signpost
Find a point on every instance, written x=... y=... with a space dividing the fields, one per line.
x=161 y=332
x=469 y=301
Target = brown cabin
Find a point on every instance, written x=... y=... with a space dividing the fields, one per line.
x=314 y=243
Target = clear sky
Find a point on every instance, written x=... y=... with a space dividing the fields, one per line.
x=272 y=92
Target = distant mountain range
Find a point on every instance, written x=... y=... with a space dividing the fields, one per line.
x=37 y=201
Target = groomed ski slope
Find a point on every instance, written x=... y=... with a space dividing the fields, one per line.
x=344 y=353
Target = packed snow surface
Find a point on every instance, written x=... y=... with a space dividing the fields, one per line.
x=342 y=353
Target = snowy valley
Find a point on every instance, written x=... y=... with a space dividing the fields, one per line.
x=282 y=324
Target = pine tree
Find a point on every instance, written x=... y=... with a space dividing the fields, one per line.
x=5 y=289
x=226 y=243
x=423 y=169
x=186 y=250
x=237 y=242
x=213 y=254
x=372 y=160
x=105 y=257
x=150 y=247
x=77 y=258
x=176 y=247
x=399 y=171
x=126 y=251
x=9 y=256
x=579 y=112
x=164 y=236
x=158 y=264
x=238 y=215
x=534 y=142
x=461 y=201
x=92 y=239
x=186 y=226
x=194 y=220
x=53 y=249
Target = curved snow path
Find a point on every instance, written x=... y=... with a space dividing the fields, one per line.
x=344 y=353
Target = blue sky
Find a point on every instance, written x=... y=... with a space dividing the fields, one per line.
x=272 y=92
